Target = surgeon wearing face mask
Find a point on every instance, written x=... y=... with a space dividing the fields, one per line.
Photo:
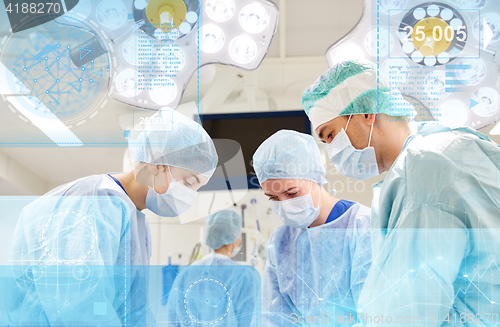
x=223 y=237
x=92 y=237
x=318 y=261
x=435 y=215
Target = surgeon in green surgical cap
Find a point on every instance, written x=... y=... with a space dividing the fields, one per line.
x=435 y=215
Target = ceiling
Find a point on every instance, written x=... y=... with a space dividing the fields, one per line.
x=296 y=58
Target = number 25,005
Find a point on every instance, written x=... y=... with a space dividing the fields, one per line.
x=437 y=33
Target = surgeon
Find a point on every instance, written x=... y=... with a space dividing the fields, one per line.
x=230 y=302
x=318 y=260
x=80 y=252
x=435 y=215
x=223 y=238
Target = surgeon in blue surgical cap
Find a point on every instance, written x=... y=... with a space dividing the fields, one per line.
x=318 y=261
x=79 y=252
x=242 y=283
x=223 y=237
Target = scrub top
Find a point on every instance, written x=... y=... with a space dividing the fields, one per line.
x=79 y=257
x=436 y=232
x=214 y=291
x=311 y=272
x=338 y=210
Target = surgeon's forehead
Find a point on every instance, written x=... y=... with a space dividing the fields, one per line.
x=276 y=186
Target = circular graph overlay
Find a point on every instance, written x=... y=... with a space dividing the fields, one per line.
x=207 y=301
x=68 y=237
x=58 y=70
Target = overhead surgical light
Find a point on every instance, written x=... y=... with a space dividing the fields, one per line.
x=128 y=83
x=155 y=46
x=64 y=66
x=254 y=18
x=440 y=53
x=168 y=40
x=220 y=10
x=111 y=14
x=243 y=49
x=163 y=91
x=212 y=38
x=473 y=4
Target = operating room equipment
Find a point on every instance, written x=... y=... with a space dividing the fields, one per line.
x=173 y=39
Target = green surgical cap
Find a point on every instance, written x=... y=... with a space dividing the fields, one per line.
x=349 y=88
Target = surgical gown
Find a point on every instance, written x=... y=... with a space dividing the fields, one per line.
x=435 y=231
x=214 y=291
x=314 y=276
x=79 y=258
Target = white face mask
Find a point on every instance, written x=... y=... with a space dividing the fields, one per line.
x=236 y=250
x=177 y=200
x=298 y=212
x=350 y=162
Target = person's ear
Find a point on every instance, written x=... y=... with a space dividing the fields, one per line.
x=238 y=241
x=156 y=169
x=370 y=119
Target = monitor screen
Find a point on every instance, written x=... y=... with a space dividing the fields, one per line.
x=251 y=129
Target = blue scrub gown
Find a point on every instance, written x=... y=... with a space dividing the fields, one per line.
x=435 y=231
x=214 y=291
x=315 y=275
x=79 y=258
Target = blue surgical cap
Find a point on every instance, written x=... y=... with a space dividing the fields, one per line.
x=289 y=155
x=172 y=139
x=223 y=227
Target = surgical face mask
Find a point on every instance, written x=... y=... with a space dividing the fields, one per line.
x=236 y=250
x=350 y=162
x=298 y=212
x=177 y=200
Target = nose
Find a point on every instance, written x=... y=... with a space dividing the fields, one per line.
x=328 y=138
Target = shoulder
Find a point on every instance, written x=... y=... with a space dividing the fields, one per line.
x=361 y=222
x=360 y=216
x=445 y=143
x=98 y=193
x=363 y=212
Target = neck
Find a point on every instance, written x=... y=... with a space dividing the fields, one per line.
x=327 y=203
x=225 y=250
x=136 y=192
x=393 y=140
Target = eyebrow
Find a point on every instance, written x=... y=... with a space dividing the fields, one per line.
x=291 y=188
x=197 y=179
x=320 y=134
